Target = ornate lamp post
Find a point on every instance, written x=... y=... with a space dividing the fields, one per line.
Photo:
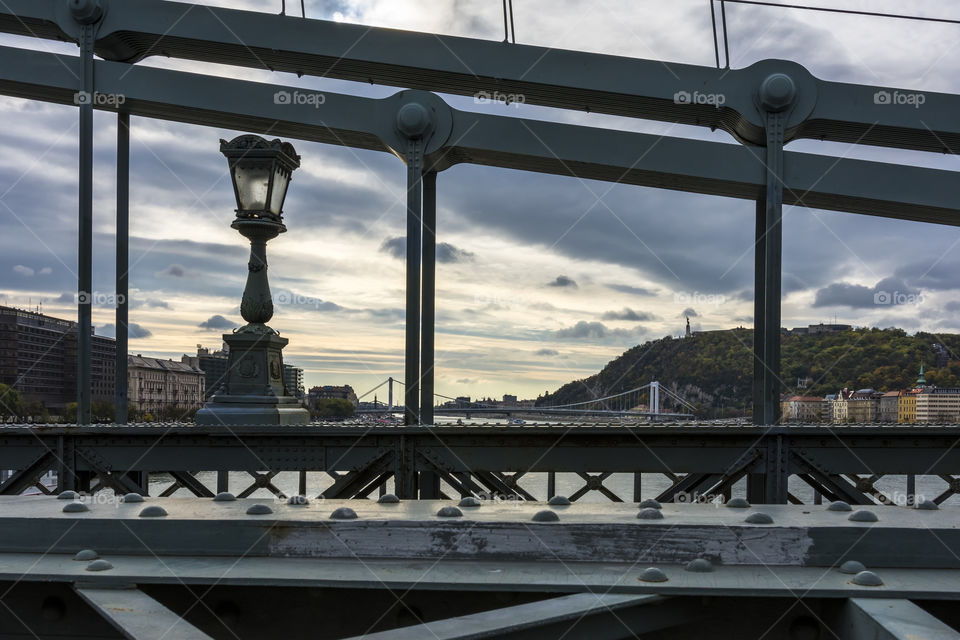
x=253 y=392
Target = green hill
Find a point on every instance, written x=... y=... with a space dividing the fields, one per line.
x=713 y=370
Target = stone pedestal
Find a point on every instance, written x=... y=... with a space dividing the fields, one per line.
x=253 y=392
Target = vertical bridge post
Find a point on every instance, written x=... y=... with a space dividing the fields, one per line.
x=120 y=397
x=776 y=95
x=87 y=13
x=413 y=121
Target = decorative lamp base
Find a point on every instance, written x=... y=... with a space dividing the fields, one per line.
x=253 y=392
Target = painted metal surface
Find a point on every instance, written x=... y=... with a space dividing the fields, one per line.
x=798 y=536
x=586 y=615
x=883 y=619
x=810 y=180
x=560 y=78
x=448 y=574
x=138 y=616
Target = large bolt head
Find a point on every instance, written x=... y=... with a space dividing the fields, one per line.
x=85 y=11
x=777 y=92
x=413 y=120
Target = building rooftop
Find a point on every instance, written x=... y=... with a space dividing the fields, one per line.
x=156 y=363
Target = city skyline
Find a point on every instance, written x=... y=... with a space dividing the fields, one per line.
x=541 y=279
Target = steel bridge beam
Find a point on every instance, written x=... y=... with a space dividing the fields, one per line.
x=601 y=616
x=138 y=616
x=890 y=619
x=823 y=182
x=636 y=88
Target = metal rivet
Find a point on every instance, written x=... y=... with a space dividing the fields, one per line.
x=863 y=515
x=86 y=11
x=738 y=503
x=132 y=497
x=867 y=579
x=86 y=554
x=650 y=513
x=75 y=507
x=388 y=498
x=224 y=496
x=470 y=501
x=852 y=567
x=777 y=92
x=650 y=503
x=759 y=518
x=839 y=505
x=153 y=511
x=99 y=565
x=259 y=510
x=449 y=512
x=343 y=513
x=68 y=495
x=298 y=501
x=699 y=565
x=652 y=574
x=559 y=501
x=413 y=119
x=546 y=516
x=928 y=505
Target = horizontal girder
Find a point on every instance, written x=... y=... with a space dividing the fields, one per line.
x=135 y=29
x=857 y=186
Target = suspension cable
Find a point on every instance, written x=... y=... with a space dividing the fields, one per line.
x=874 y=14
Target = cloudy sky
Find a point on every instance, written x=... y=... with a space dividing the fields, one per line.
x=541 y=279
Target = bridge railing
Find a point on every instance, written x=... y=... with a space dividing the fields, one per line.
x=671 y=463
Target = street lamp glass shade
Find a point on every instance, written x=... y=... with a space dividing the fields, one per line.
x=281 y=180
x=252 y=184
x=260 y=170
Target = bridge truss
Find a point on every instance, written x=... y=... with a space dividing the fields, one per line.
x=431 y=569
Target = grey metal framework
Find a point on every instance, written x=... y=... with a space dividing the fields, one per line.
x=843 y=463
x=422 y=569
x=766 y=105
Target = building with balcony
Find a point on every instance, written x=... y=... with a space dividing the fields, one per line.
x=38 y=358
x=164 y=387
x=293 y=381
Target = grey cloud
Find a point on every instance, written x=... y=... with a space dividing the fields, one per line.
x=446 y=252
x=174 y=270
x=217 y=322
x=689 y=312
x=563 y=281
x=396 y=247
x=888 y=292
x=546 y=352
x=286 y=297
x=139 y=300
x=626 y=288
x=628 y=314
x=584 y=330
x=953 y=305
x=66 y=298
x=134 y=331
x=938 y=276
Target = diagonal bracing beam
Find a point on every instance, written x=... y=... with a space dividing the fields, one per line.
x=137 y=616
x=890 y=619
x=597 y=616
